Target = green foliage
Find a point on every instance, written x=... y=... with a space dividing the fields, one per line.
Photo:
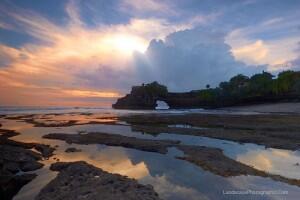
x=238 y=81
x=296 y=87
x=286 y=81
x=259 y=85
x=238 y=88
x=156 y=90
x=208 y=95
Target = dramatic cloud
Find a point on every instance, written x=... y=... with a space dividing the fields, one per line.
x=73 y=59
x=251 y=45
x=91 y=52
x=190 y=59
x=253 y=53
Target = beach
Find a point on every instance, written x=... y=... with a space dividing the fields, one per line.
x=157 y=150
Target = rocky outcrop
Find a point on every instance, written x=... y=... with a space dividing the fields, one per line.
x=72 y=150
x=79 y=180
x=211 y=159
x=141 y=97
x=191 y=99
x=135 y=102
x=273 y=131
x=159 y=146
x=145 y=97
x=16 y=158
x=45 y=150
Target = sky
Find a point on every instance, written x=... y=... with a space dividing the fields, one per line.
x=90 y=52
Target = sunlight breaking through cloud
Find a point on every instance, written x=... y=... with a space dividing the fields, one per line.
x=95 y=47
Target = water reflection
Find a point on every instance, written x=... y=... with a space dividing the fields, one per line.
x=273 y=160
x=114 y=160
x=80 y=118
x=172 y=178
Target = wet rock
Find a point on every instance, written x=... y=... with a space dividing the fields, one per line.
x=272 y=131
x=159 y=146
x=213 y=160
x=18 y=154
x=210 y=159
x=53 y=124
x=79 y=180
x=17 y=157
x=10 y=185
x=72 y=150
x=12 y=167
x=45 y=150
x=56 y=159
x=31 y=166
x=14 y=159
x=38 y=121
x=19 y=117
x=8 y=133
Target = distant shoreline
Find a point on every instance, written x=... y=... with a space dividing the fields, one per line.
x=286 y=107
x=239 y=90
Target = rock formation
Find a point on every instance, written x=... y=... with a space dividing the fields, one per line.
x=145 y=97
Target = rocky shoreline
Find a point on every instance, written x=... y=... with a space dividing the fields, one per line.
x=272 y=131
x=237 y=92
x=31 y=119
x=208 y=158
x=213 y=160
x=17 y=158
x=79 y=180
x=158 y=146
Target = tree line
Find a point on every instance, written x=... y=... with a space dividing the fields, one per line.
x=285 y=84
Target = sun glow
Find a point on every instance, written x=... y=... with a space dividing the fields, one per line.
x=86 y=93
x=127 y=44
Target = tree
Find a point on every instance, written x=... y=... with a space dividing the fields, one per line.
x=208 y=95
x=224 y=86
x=261 y=84
x=207 y=86
x=225 y=90
x=238 y=81
x=296 y=87
x=155 y=89
x=286 y=80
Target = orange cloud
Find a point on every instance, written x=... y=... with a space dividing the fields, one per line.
x=62 y=53
x=255 y=52
x=87 y=93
